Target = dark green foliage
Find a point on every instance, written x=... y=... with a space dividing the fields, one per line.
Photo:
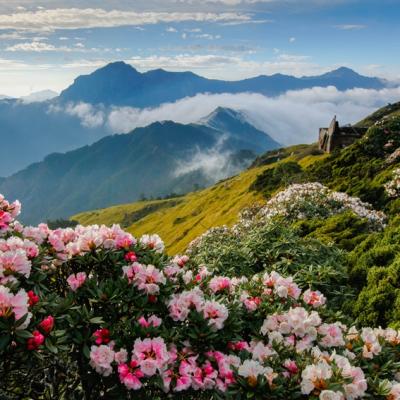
x=276 y=247
x=375 y=272
x=346 y=230
x=274 y=178
x=135 y=216
x=61 y=223
x=376 y=302
x=297 y=152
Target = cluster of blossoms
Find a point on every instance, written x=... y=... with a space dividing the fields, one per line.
x=214 y=312
x=140 y=321
x=309 y=200
x=15 y=258
x=317 y=354
x=298 y=201
x=68 y=243
x=8 y=212
x=147 y=278
x=393 y=186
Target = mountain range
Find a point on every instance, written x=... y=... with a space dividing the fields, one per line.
x=162 y=158
x=120 y=84
x=32 y=130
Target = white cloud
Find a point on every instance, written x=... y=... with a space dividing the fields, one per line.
x=12 y=36
x=227 y=2
x=35 y=47
x=207 y=36
x=350 y=27
x=291 y=118
x=194 y=30
x=171 y=29
x=292 y=39
x=230 y=66
x=90 y=116
x=77 y=18
x=214 y=163
x=249 y=21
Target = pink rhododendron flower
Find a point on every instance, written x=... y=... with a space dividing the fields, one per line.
x=14 y=261
x=14 y=304
x=131 y=256
x=101 y=358
x=151 y=354
x=33 y=298
x=148 y=278
x=102 y=336
x=219 y=284
x=291 y=366
x=152 y=321
x=314 y=298
x=75 y=281
x=315 y=377
x=204 y=378
x=216 y=314
x=332 y=335
x=130 y=375
x=34 y=342
x=153 y=242
x=47 y=324
x=180 y=304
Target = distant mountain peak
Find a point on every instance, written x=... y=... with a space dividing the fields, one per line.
x=342 y=72
x=222 y=114
x=117 y=66
x=39 y=96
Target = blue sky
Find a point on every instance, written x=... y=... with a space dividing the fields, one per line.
x=46 y=44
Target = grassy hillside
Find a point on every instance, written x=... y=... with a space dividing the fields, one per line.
x=178 y=221
x=361 y=170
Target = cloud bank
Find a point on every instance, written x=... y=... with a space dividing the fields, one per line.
x=289 y=119
x=42 y=20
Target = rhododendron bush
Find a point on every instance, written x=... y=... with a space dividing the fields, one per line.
x=93 y=313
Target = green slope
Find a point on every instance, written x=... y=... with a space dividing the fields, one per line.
x=179 y=221
x=360 y=170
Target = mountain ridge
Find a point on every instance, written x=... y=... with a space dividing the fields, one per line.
x=116 y=168
x=121 y=84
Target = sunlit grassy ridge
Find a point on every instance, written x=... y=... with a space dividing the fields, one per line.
x=178 y=221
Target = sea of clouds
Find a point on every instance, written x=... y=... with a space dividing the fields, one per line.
x=291 y=118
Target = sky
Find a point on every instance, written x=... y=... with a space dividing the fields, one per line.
x=46 y=44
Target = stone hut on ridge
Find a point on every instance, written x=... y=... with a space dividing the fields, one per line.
x=338 y=136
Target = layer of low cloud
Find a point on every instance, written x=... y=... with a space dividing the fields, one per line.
x=90 y=116
x=214 y=163
x=289 y=119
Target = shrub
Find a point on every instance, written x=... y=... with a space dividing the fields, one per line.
x=93 y=313
x=374 y=271
x=273 y=178
x=345 y=230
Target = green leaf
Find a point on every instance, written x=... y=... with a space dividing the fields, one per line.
x=96 y=320
x=86 y=351
x=23 y=334
x=4 y=340
x=50 y=346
